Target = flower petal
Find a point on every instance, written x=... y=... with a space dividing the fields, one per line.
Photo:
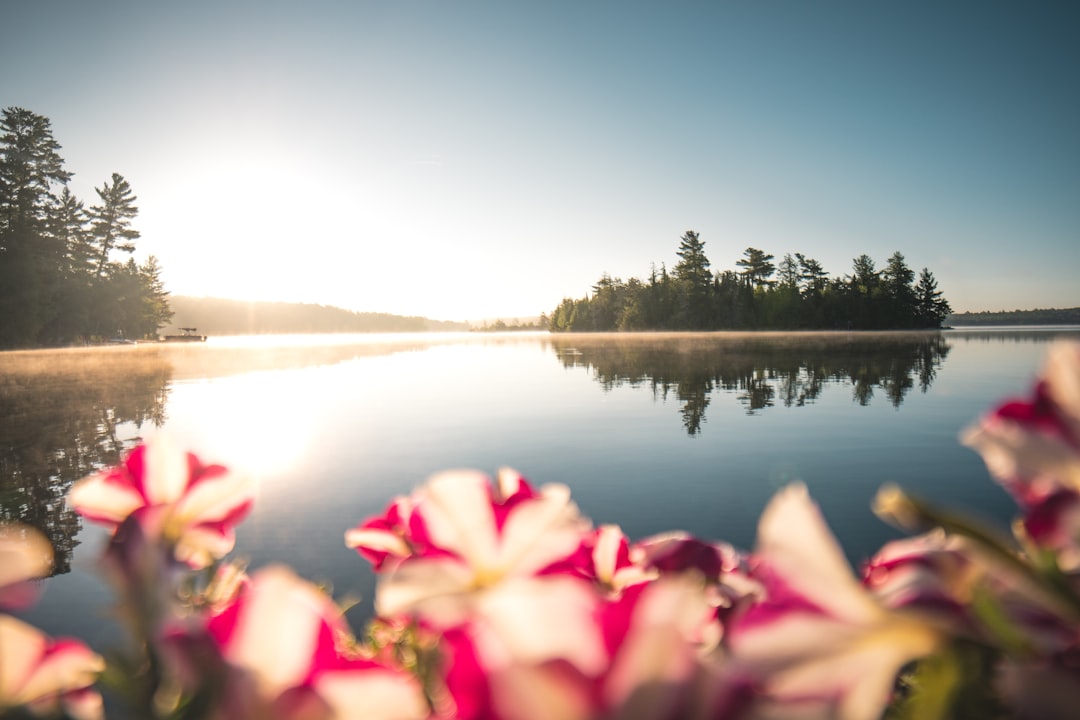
x=795 y=543
x=541 y=531
x=273 y=630
x=432 y=588
x=371 y=693
x=25 y=555
x=102 y=497
x=456 y=510
x=166 y=470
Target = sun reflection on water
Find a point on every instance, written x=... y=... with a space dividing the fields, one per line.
x=260 y=423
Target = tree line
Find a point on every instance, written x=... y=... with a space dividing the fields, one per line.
x=1039 y=316
x=794 y=293
x=220 y=316
x=63 y=278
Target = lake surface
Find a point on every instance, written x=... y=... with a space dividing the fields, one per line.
x=654 y=433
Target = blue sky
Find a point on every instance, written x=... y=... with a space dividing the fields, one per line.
x=471 y=160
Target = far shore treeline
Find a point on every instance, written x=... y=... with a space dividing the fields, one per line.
x=1040 y=316
x=220 y=316
x=794 y=293
x=63 y=279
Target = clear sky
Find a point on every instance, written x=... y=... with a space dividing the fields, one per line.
x=467 y=160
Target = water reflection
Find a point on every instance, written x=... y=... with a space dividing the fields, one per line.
x=61 y=419
x=762 y=369
x=67 y=413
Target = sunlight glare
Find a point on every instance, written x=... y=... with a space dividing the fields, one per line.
x=259 y=423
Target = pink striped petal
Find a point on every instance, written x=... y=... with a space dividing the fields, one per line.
x=660 y=645
x=456 y=511
x=217 y=496
x=795 y=543
x=105 y=497
x=540 y=532
x=273 y=630
x=377 y=545
x=35 y=669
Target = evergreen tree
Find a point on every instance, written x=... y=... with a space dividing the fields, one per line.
x=111 y=221
x=863 y=293
x=156 y=311
x=67 y=223
x=931 y=307
x=695 y=283
x=693 y=265
x=897 y=278
x=788 y=271
x=57 y=278
x=606 y=304
x=864 y=278
x=812 y=276
x=66 y=228
x=30 y=165
x=757 y=267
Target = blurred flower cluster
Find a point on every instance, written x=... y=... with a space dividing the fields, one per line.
x=498 y=600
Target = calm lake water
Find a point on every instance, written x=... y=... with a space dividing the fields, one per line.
x=654 y=433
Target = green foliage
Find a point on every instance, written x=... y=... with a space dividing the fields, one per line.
x=58 y=282
x=931 y=308
x=803 y=296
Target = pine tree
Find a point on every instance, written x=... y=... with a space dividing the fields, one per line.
x=156 y=311
x=757 y=267
x=30 y=165
x=897 y=278
x=693 y=265
x=931 y=307
x=111 y=221
x=694 y=283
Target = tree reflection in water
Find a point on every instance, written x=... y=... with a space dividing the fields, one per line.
x=61 y=414
x=760 y=369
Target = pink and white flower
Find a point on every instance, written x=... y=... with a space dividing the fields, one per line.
x=288 y=653
x=465 y=536
x=1032 y=445
x=44 y=675
x=36 y=672
x=934 y=573
x=497 y=563
x=654 y=636
x=201 y=503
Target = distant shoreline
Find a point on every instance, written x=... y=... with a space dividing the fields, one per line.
x=1065 y=316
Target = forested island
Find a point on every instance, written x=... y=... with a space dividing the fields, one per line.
x=63 y=274
x=794 y=293
x=1049 y=316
